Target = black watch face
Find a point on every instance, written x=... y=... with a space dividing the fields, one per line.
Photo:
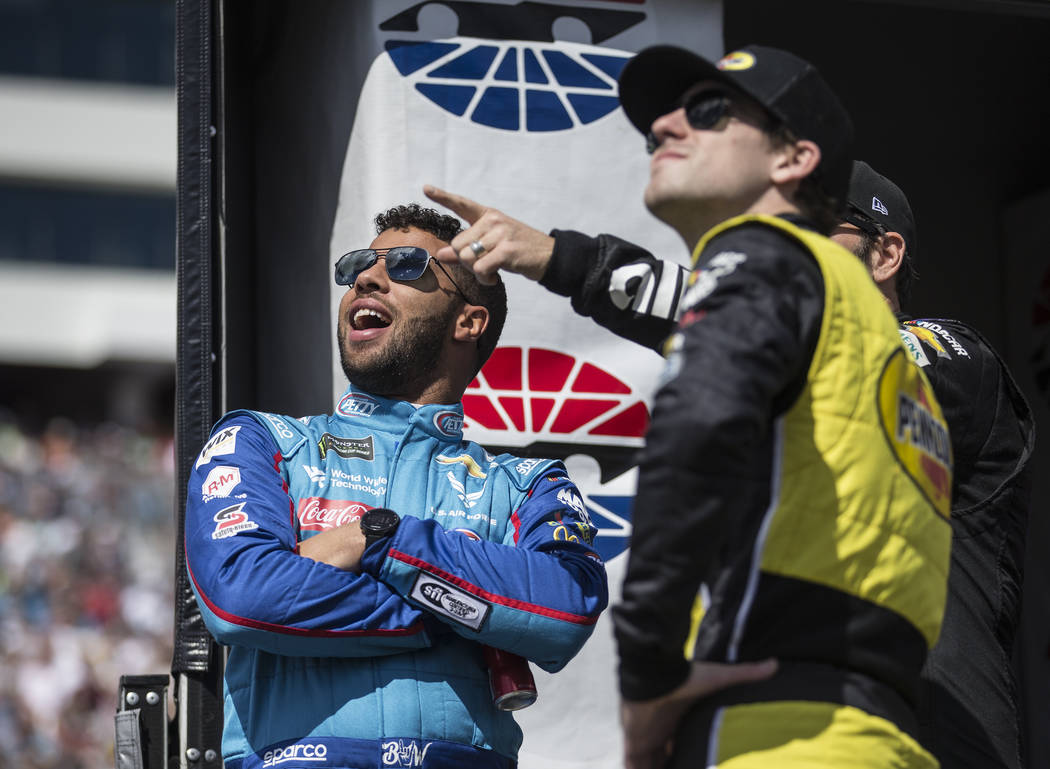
x=379 y=522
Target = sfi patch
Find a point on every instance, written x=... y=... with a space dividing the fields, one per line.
x=232 y=520
x=916 y=430
x=347 y=448
x=737 y=60
x=450 y=601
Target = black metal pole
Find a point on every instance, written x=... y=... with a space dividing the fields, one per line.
x=197 y=660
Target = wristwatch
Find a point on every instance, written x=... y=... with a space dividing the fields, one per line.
x=379 y=522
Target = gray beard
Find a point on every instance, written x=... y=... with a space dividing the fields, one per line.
x=407 y=363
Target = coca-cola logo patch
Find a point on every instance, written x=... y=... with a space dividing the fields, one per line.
x=320 y=514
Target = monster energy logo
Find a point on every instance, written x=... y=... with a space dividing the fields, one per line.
x=347 y=448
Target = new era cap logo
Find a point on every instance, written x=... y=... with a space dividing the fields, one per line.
x=878 y=205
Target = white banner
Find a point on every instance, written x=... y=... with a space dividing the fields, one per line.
x=515 y=105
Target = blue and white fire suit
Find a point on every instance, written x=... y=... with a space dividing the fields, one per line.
x=329 y=668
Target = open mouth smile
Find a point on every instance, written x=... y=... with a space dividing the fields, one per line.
x=368 y=321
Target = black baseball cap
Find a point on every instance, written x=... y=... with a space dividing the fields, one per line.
x=874 y=198
x=789 y=88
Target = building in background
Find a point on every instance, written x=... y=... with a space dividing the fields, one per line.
x=87 y=348
x=87 y=209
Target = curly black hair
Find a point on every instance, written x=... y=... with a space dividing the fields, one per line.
x=493 y=298
x=439 y=225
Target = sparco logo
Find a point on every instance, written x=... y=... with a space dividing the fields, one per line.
x=357 y=405
x=347 y=448
x=305 y=752
x=448 y=422
x=279 y=426
x=442 y=596
x=319 y=514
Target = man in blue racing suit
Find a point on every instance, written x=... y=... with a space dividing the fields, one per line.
x=360 y=564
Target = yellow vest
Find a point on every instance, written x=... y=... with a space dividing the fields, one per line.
x=862 y=486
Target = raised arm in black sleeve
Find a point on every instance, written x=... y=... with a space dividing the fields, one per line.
x=623 y=287
x=740 y=356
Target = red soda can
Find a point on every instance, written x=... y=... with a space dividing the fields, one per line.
x=510 y=679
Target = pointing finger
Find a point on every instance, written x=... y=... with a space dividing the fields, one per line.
x=466 y=208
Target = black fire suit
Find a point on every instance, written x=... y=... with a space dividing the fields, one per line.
x=969 y=712
x=768 y=295
x=967 y=701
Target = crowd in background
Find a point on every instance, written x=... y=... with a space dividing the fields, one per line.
x=86 y=584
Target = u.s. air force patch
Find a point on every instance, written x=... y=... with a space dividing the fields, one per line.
x=916 y=430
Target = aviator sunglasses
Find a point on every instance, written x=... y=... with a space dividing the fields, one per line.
x=402 y=263
x=703 y=110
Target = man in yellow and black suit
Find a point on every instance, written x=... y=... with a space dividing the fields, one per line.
x=794 y=490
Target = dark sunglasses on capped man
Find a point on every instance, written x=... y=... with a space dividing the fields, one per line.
x=863 y=222
x=402 y=263
x=703 y=109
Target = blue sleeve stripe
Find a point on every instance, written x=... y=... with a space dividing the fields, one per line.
x=416 y=627
x=512 y=603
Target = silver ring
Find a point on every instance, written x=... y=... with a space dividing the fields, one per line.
x=477 y=248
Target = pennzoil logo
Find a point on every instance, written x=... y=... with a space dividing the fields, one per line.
x=737 y=60
x=916 y=430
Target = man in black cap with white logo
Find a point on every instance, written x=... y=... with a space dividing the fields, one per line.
x=794 y=490
x=968 y=713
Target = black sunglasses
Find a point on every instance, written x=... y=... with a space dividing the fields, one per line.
x=402 y=263
x=863 y=222
x=703 y=109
